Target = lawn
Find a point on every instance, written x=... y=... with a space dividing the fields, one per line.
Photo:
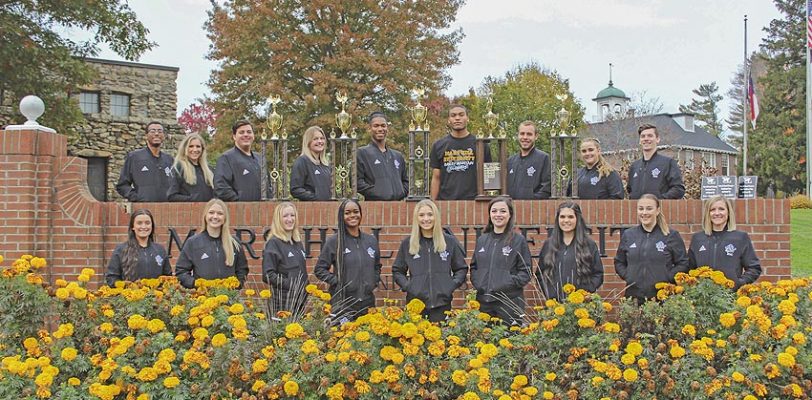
x=801 y=242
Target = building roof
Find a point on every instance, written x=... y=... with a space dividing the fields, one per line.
x=610 y=91
x=621 y=134
x=130 y=64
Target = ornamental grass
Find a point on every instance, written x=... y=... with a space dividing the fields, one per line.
x=154 y=340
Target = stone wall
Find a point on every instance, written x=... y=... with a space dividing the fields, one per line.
x=49 y=212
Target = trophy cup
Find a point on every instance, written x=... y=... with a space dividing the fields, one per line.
x=279 y=149
x=559 y=135
x=418 y=149
x=491 y=176
x=343 y=149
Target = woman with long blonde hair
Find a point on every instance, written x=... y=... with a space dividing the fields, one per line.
x=596 y=179
x=213 y=253
x=310 y=177
x=430 y=263
x=191 y=176
x=283 y=262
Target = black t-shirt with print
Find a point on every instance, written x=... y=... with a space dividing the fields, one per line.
x=456 y=160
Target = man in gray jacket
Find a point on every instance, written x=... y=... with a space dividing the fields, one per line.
x=238 y=175
x=146 y=172
x=381 y=170
x=528 y=175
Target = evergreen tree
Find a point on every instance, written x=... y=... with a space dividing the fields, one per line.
x=706 y=107
x=778 y=143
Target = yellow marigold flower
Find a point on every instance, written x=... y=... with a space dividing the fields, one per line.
x=737 y=377
x=258 y=385
x=433 y=333
x=156 y=325
x=176 y=310
x=207 y=321
x=548 y=395
x=744 y=301
x=147 y=374
x=293 y=330
x=362 y=387
x=727 y=319
x=786 y=307
x=310 y=347
x=489 y=350
x=469 y=396
x=586 y=323
x=611 y=327
x=568 y=288
x=291 y=388
x=677 y=351
x=581 y=313
x=408 y=330
x=627 y=359
x=69 y=353
x=630 y=375
x=473 y=305
x=219 y=340
x=171 y=382
x=362 y=336
x=786 y=360
x=459 y=377
x=550 y=376
x=236 y=308
x=689 y=330
x=415 y=306
x=634 y=348
x=336 y=392
x=62 y=293
x=576 y=297
x=794 y=390
x=200 y=333
x=559 y=310
x=475 y=363
x=74 y=381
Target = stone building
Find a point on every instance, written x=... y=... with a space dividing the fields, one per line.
x=117 y=105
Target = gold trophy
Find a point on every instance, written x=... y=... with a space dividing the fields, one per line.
x=559 y=135
x=343 y=149
x=418 y=164
x=491 y=176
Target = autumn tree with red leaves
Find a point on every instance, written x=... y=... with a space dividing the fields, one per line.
x=305 y=51
x=199 y=118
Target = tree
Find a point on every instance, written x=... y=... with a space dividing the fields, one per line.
x=706 y=107
x=777 y=145
x=37 y=58
x=306 y=51
x=527 y=92
x=643 y=105
x=199 y=117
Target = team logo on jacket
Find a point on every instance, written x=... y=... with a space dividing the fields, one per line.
x=730 y=249
x=511 y=171
x=371 y=252
x=168 y=171
x=506 y=250
x=144 y=169
x=316 y=172
x=444 y=255
x=655 y=173
x=204 y=256
x=531 y=171
x=702 y=248
x=290 y=254
x=245 y=172
x=633 y=246
x=377 y=161
x=635 y=174
x=660 y=246
x=416 y=256
x=594 y=180
x=482 y=250
x=347 y=251
x=397 y=164
x=159 y=260
x=303 y=254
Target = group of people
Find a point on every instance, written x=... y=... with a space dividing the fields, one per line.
x=150 y=175
x=431 y=264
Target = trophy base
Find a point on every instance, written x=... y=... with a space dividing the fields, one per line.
x=488 y=195
x=416 y=198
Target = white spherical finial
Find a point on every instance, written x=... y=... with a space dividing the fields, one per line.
x=32 y=108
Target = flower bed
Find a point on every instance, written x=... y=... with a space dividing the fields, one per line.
x=154 y=340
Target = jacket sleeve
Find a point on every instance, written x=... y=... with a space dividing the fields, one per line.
x=522 y=266
x=378 y=265
x=326 y=260
x=399 y=267
x=224 y=180
x=404 y=176
x=166 y=267
x=615 y=186
x=173 y=193
x=621 y=262
x=366 y=181
x=298 y=177
x=596 y=270
x=184 y=267
x=124 y=187
x=544 y=188
x=677 y=249
x=270 y=268
x=114 y=272
x=458 y=266
x=692 y=254
x=240 y=265
x=676 y=189
x=750 y=264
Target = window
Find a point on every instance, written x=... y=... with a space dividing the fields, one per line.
x=709 y=159
x=89 y=102
x=97 y=177
x=120 y=105
x=689 y=159
x=726 y=164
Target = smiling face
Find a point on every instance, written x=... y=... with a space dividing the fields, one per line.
x=316 y=144
x=649 y=140
x=378 y=128
x=647 y=212
x=288 y=219
x=244 y=138
x=567 y=220
x=193 y=150
x=500 y=216
x=155 y=135
x=215 y=217
x=590 y=153
x=719 y=215
x=527 y=137
x=142 y=227
x=425 y=218
x=352 y=216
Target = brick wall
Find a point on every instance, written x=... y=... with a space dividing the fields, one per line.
x=48 y=211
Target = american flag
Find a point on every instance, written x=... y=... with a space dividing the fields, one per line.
x=753 y=100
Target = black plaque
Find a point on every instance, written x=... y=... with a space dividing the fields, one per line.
x=710 y=187
x=747 y=187
x=727 y=186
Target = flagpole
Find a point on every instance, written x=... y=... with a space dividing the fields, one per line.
x=745 y=112
x=808 y=101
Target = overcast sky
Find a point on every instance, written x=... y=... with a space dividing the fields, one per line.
x=663 y=47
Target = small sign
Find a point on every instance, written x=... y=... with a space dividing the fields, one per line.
x=491 y=178
x=728 y=187
x=710 y=187
x=748 y=186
